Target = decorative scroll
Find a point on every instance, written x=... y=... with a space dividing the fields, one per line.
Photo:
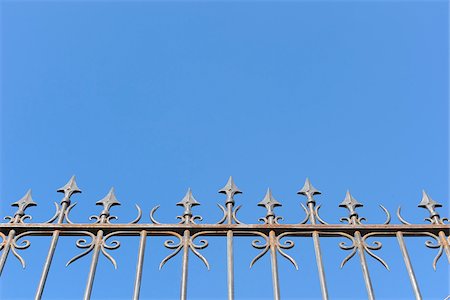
x=185 y=237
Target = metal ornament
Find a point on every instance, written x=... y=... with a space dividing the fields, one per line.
x=185 y=236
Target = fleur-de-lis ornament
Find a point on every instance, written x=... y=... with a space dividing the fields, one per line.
x=108 y=201
x=269 y=202
x=430 y=205
x=22 y=204
x=230 y=189
x=309 y=191
x=351 y=204
x=188 y=202
x=69 y=189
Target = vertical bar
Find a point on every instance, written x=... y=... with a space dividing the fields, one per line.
x=5 y=252
x=409 y=268
x=139 y=266
x=274 y=263
x=90 y=281
x=318 y=252
x=320 y=269
x=445 y=244
x=365 y=269
x=184 y=269
x=230 y=265
x=230 y=254
x=51 y=252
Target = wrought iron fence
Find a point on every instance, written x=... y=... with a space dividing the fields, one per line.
x=98 y=235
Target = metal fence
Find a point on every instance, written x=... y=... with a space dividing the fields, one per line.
x=98 y=235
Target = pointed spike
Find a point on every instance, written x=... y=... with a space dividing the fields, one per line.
x=308 y=189
x=269 y=200
x=429 y=204
x=188 y=199
x=109 y=200
x=350 y=203
x=230 y=188
x=427 y=201
x=24 y=202
x=70 y=188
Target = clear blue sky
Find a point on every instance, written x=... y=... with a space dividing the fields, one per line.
x=153 y=97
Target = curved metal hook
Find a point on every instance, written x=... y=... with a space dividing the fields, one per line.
x=233 y=214
x=151 y=214
x=306 y=215
x=170 y=244
x=388 y=215
x=138 y=216
x=401 y=218
x=52 y=219
x=316 y=210
x=225 y=214
x=259 y=245
x=66 y=213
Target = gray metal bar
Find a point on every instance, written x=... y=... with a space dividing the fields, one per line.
x=139 y=265
x=221 y=229
x=184 y=269
x=318 y=253
x=6 y=248
x=409 y=268
x=93 y=268
x=364 y=267
x=274 y=264
x=51 y=252
x=230 y=265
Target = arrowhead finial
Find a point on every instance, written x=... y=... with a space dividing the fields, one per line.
x=309 y=191
x=69 y=189
x=23 y=203
x=230 y=189
x=108 y=201
x=188 y=202
x=269 y=202
x=429 y=204
x=350 y=203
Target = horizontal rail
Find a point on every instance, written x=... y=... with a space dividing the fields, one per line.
x=221 y=229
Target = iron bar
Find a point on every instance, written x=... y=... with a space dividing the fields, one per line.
x=364 y=267
x=139 y=265
x=69 y=189
x=51 y=252
x=230 y=265
x=93 y=267
x=409 y=268
x=274 y=265
x=6 y=249
x=221 y=229
x=184 y=268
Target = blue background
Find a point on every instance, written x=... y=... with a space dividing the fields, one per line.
x=155 y=97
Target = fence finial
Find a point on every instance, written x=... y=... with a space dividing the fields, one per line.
x=69 y=189
x=309 y=191
x=429 y=204
x=108 y=201
x=350 y=203
x=230 y=189
x=23 y=203
x=269 y=202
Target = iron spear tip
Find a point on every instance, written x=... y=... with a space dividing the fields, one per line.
x=70 y=187
x=269 y=201
x=25 y=201
x=230 y=187
x=188 y=199
x=428 y=202
x=349 y=202
x=109 y=200
x=308 y=189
